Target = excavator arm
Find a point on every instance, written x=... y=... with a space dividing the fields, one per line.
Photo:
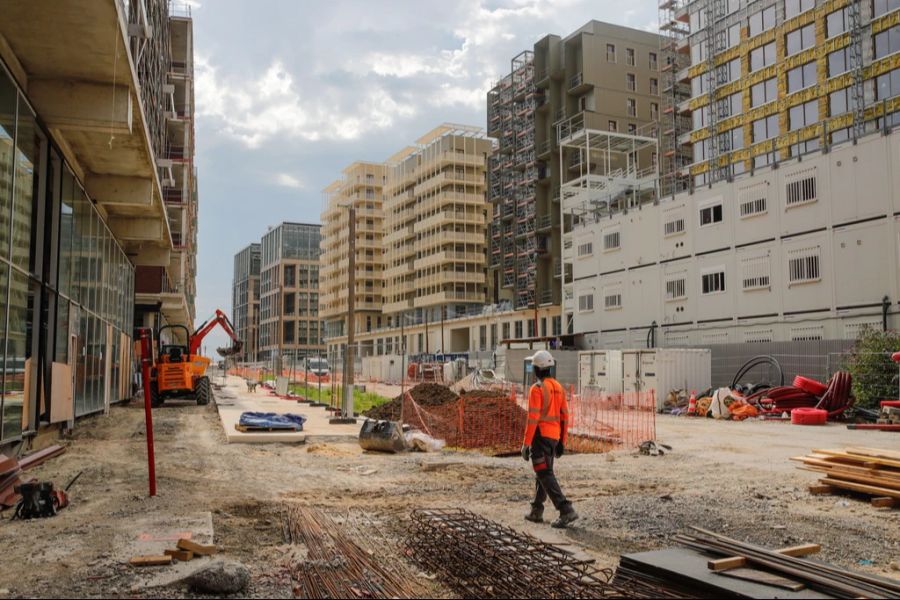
x=221 y=319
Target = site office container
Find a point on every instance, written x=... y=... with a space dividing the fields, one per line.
x=659 y=369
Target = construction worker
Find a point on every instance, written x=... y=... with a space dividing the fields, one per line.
x=545 y=438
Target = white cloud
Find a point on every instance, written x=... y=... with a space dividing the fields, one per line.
x=287 y=180
x=279 y=110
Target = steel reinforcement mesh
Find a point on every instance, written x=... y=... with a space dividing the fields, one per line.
x=495 y=421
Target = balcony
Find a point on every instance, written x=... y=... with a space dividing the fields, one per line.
x=447 y=256
x=452 y=217
x=578 y=86
x=449 y=296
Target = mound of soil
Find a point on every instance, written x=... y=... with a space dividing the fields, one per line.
x=425 y=394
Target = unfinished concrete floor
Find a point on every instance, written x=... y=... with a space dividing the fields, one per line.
x=730 y=477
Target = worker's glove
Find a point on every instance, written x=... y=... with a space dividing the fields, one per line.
x=526 y=452
x=560 y=449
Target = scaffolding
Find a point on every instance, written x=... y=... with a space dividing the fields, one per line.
x=674 y=93
x=514 y=175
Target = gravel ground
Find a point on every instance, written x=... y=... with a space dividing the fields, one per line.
x=734 y=478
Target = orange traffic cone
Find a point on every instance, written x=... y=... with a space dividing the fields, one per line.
x=692 y=403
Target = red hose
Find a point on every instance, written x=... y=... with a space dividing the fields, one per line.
x=835 y=400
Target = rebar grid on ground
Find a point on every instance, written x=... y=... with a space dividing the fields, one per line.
x=479 y=558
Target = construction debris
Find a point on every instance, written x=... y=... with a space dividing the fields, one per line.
x=198 y=549
x=220 y=577
x=151 y=560
x=869 y=471
x=479 y=558
x=335 y=566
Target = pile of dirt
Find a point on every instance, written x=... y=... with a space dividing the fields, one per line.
x=484 y=395
x=424 y=394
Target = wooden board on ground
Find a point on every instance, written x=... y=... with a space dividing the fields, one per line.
x=150 y=560
x=734 y=562
x=198 y=549
x=865 y=459
x=766 y=578
x=858 y=487
x=885 y=502
x=817 y=490
x=875 y=452
x=182 y=555
x=876 y=481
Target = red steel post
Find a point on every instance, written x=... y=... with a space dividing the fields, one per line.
x=146 y=363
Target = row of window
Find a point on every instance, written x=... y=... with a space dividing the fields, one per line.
x=631 y=57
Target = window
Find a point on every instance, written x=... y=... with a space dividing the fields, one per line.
x=838 y=62
x=653 y=63
x=803 y=265
x=654 y=86
x=520 y=330
x=802 y=77
x=630 y=82
x=632 y=107
x=750 y=208
x=762 y=21
x=730 y=71
x=801 y=39
x=803 y=115
x=880 y=7
x=632 y=128
x=612 y=300
x=700 y=117
x=676 y=289
x=698 y=52
x=585 y=249
x=611 y=241
x=836 y=23
x=734 y=35
x=698 y=85
x=755 y=273
x=792 y=8
x=762 y=56
x=674 y=227
x=586 y=303
x=887 y=42
x=766 y=159
x=764 y=92
x=800 y=191
x=733 y=139
x=729 y=106
x=654 y=111
x=629 y=57
x=610 y=53
x=711 y=215
x=613 y=126
x=887 y=85
x=713 y=282
x=765 y=128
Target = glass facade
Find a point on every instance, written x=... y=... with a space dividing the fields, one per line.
x=66 y=287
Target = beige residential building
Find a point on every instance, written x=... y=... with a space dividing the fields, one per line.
x=360 y=187
x=436 y=214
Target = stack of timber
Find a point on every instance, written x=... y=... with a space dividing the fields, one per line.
x=871 y=471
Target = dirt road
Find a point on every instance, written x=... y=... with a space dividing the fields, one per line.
x=730 y=477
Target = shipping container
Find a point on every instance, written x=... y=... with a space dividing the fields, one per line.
x=666 y=369
x=600 y=371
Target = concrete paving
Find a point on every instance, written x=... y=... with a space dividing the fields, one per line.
x=233 y=399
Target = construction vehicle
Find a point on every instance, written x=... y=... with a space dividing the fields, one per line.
x=180 y=370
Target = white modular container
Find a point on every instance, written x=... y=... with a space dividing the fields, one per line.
x=666 y=369
x=600 y=371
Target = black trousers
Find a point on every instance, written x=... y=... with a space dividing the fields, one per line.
x=543 y=453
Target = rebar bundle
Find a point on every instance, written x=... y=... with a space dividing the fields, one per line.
x=335 y=565
x=479 y=558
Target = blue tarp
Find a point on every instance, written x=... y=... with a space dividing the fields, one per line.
x=273 y=420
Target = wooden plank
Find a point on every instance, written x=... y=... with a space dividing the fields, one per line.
x=765 y=578
x=198 y=549
x=868 y=480
x=858 y=487
x=151 y=560
x=875 y=452
x=735 y=562
x=830 y=466
x=182 y=555
x=820 y=489
x=885 y=502
x=863 y=459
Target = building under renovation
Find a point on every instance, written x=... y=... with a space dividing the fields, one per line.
x=790 y=230
x=89 y=212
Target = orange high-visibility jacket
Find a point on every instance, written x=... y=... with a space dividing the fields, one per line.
x=547 y=410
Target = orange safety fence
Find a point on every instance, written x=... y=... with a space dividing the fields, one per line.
x=494 y=421
x=296 y=376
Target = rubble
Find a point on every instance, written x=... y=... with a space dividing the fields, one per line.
x=220 y=577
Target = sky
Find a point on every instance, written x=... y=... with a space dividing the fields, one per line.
x=289 y=92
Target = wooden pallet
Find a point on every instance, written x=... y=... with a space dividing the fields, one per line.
x=871 y=471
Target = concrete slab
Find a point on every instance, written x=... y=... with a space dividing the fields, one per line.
x=154 y=535
x=234 y=399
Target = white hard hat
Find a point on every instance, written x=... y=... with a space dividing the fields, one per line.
x=542 y=360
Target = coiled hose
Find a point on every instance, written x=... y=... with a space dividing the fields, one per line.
x=762 y=359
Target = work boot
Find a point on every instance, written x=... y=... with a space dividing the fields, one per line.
x=536 y=515
x=565 y=519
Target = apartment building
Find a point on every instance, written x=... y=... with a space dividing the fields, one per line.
x=791 y=236
x=772 y=80
x=361 y=188
x=436 y=209
x=245 y=301
x=601 y=76
x=289 y=323
x=82 y=207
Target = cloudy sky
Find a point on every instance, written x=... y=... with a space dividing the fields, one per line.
x=288 y=92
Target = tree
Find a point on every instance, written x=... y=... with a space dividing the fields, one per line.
x=874 y=374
